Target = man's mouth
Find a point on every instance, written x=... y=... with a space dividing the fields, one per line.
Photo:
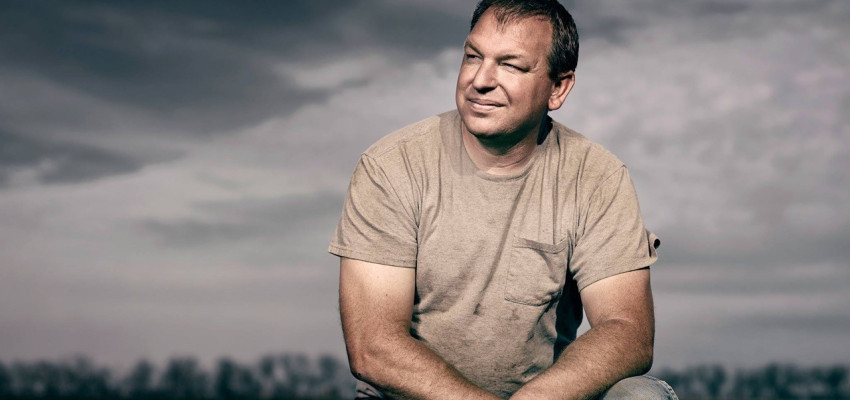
x=483 y=105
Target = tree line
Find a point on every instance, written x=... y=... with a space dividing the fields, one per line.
x=773 y=381
x=297 y=376
x=285 y=376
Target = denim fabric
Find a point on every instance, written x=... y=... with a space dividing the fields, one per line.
x=640 y=387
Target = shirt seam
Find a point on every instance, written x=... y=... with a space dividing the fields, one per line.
x=603 y=182
x=408 y=208
x=581 y=212
x=633 y=265
x=371 y=257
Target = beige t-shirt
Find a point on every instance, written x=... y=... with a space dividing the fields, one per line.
x=499 y=259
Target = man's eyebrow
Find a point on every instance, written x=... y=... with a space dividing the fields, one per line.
x=471 y=46
x=501 y=58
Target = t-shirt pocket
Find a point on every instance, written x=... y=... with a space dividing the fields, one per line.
x=536 y=272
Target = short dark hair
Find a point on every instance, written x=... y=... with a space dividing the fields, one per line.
x=563 y=56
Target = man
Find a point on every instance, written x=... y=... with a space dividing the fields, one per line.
x=470 y=241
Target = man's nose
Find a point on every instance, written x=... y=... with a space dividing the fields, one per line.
x=485 y=77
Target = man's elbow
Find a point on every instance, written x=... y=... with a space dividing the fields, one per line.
x=368 y=357
x=360 y=358
x=645 y=360
x=644 y=345
x=640 y=339
x=644 y=352
x=356 y=364
x=636 y=342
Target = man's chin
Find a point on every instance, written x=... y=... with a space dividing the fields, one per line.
x=485 y=135
x=481 y=127
x=483 y=132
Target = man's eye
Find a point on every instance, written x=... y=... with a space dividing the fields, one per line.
x=511 y=66
x=471 y=56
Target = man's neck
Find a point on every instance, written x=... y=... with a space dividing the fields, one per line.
x=504 y=157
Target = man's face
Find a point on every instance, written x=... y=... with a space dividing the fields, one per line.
x=503 y=88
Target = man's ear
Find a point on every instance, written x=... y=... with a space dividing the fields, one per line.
x=561 y=89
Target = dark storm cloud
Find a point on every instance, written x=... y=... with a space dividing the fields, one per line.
x=184 y=68
x=167 y=62
x=56 y=162
x=208 y=67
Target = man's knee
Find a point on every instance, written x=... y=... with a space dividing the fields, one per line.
x=640 y=387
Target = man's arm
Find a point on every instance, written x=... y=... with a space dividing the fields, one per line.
x=618 y=345
x=376 y=304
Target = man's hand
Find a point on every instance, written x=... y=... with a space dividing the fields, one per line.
x=619 y=343
x=376 y=305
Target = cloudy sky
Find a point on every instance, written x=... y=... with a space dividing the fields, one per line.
x=171 y=172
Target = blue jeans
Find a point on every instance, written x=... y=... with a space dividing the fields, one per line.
x=640 y=387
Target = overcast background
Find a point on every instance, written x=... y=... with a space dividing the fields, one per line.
x=171 y=172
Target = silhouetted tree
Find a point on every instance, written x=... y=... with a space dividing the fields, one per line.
x=270 y=381
x=834 y=378
x=744 y=386
x=329 y=371
x=5 y=381
x=92 y=382
x=223 y=379
x=23 y=382
x=140 y=381
x=233 y=381
x=775 y=380
x=296 y=370
x=686 y=383
x=712 y=378
x=183 y=379
x=48 y=377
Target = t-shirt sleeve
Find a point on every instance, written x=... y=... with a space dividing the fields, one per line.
x=611 y=238
x=376 y=225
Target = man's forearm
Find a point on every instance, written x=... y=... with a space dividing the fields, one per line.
x=404 y=368
x=609 y=352
x=376 y=303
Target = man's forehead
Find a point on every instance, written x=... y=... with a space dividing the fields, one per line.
x=515 y=35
